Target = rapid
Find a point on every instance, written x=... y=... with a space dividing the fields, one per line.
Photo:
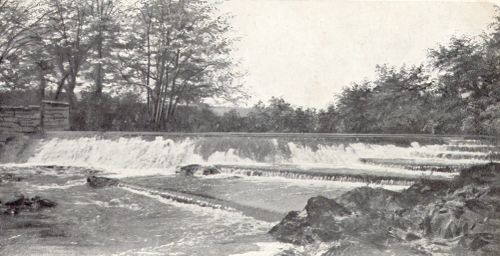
x=155 y=211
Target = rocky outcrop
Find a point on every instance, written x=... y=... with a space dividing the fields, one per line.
x=19 y=203
x=461 y=217
x=101 y=182
x=192 y=169
x=318 y=221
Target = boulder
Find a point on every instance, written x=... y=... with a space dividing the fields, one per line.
x=210 y=170
x=367 y=199
x=318 y=208
x=318 y=221
x=20 y=203
x=16 y=200
x=425 y=191
x=101 y=182
x=458 y=217
x=192 y=169
x=43 y=202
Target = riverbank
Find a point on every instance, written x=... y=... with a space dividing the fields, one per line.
x=458 y=217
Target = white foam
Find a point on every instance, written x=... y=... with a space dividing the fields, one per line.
x=69 y=184
x=228 y=216
x=325 y=183
x=138 y=157
x=266 y=249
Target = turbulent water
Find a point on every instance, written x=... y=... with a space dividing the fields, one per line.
x=158 y=212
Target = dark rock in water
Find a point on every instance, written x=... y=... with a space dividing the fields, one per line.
x=210 y=170
x=294 y=229
x=20 y=203
x=44 y=202
x=412 y=237
x=101 y=182
x=461 y=217
x=189 y=170
x=16 y=200
x=192 y=169
x=11 y=211
x=320 y=207
x=316 y=222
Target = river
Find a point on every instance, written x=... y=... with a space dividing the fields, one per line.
x=155 y=211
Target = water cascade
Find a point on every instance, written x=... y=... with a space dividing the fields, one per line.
x=296 y=157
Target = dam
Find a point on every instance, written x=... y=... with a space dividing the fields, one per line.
x=157 y=211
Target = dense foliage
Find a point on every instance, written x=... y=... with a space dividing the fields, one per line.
x=95 y=53
x=150 y=66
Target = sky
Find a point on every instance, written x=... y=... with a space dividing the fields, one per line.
x=306 y=51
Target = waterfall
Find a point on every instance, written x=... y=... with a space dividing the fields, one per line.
x=162 y=154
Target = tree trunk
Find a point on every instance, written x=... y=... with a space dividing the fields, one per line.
x=43 y=84
x=96 y=119
x=70 y=94
x=60 y=86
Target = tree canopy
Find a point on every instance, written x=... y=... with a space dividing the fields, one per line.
x=152 y=66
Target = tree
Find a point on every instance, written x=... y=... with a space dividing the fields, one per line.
x=400 y=100
x=469 y=79
x=68 y=39
x=231 y=121
x=353 y=109
x=104 y=15
x=18 y=22
x=177 y=51
x=327 y=120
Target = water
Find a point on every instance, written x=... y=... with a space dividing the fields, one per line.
x=156 y=212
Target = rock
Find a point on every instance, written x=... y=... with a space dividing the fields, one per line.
x=366 y=247
x=189 y=170
x=316 y=222
x=479 y=241
x=425 y=191
x=369 y=199
x=101 y=182
x=411 y=237
x=320 y=207
x=192 y=169
x=44 y=202
x=210 y=171
x=16 y=200
x=292 y=229
x=20 y=203
x=458 y=217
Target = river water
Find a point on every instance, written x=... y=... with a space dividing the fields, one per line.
x=158 y=212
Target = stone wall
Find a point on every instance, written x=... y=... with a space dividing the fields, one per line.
x=52 y=116
x=17 y=119
x=55 y=116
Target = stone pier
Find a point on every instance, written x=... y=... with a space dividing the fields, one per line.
x=19 y=120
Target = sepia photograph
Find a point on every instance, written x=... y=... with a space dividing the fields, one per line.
x=249 y=127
